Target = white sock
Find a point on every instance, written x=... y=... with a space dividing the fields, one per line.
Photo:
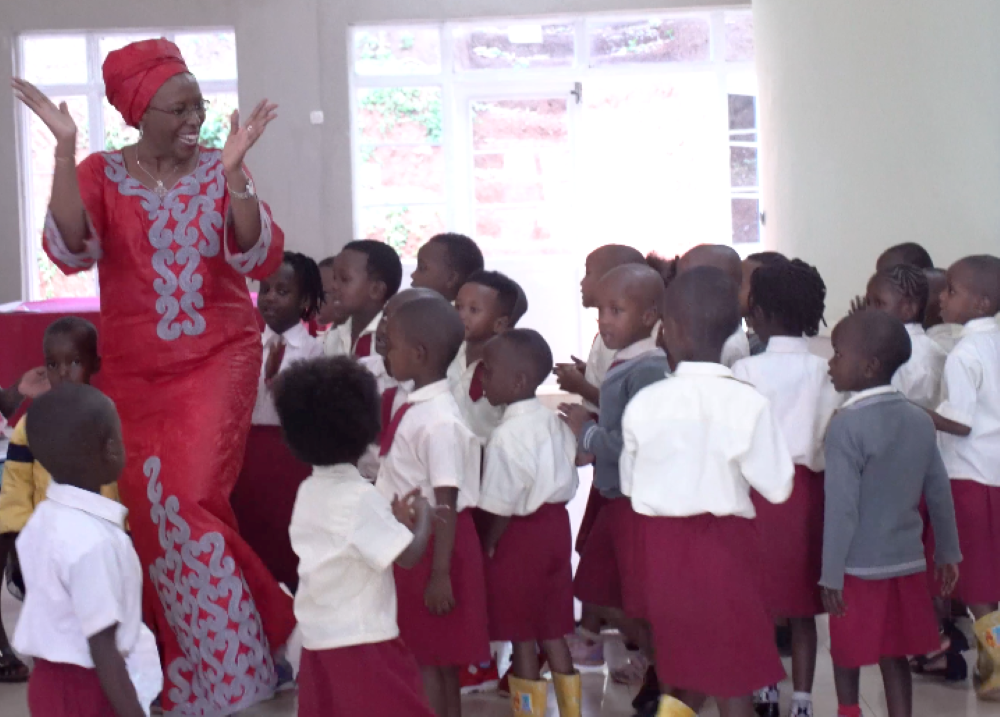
x=804 y=698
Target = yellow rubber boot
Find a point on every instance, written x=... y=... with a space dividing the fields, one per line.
x=673 y=707
x=987 y=631
x=569 y=694
x=529 y=698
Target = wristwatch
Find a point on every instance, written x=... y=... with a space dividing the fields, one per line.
x=249 y=193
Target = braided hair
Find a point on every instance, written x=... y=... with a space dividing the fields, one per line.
x=911 y=282
x=791 y=292
x=309 y=279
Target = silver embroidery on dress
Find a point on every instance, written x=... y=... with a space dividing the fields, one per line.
x=185 y=204
x=227 y=663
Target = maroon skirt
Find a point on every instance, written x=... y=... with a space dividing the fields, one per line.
x=606 y=575
x=712 y=632
x=977 y=512
x=60 y=690
x=595 y=501
x=884 y=618
x=460 y=637
x=377 y=679
x=529 y=580
x=791 y=538
x=264 y=498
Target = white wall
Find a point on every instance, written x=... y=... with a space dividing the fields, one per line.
x=881 y=124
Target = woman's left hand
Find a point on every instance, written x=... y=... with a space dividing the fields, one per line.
x=243 y=137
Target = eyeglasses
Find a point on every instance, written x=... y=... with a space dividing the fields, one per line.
x=200 y=109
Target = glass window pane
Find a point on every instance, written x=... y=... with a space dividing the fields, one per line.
x=396 y=175
x=117 y=134
x=210 y=56
x=215 y=130
x=742 y=112
x=675 y=39
x=746 y=221
x=403 y=228
x=743 y=166
x=400 y=114
x=108 y=43
x=739 y=37
x=397 y=51
x=518 y=46
x=55 y=60
x=499 y=124
x=533 y=229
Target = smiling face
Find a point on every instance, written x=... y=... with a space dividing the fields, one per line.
x=69 y=358
x=479 y=308
x=172 y=123
x=280 y=300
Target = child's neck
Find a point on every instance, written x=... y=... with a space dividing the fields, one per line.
x=280 y=331
x=360 y=320
x=428 y=378
x=874 y=383
x=474 y=350
x=526 y=396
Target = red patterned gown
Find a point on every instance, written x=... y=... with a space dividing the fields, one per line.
x=182 y=356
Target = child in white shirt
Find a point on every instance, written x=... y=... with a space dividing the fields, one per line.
x=529 y=475
x=944 y=335
x=694 y=446
x=785 y=308
x=82 y=615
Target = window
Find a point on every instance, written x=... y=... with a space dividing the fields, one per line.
x=67 y=67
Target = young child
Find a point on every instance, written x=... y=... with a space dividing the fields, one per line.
x=529 y=475
x=82 y=615
x=727 y=260
x=445 y=263
x=750 y=265
x=944 y=335
x=786 y=305
x=694 y=446
x=901 y=291
x=488 y=305
x=347 y=537
x=264 y=494
x=366 y=274
x=330 y=315
x=71 y=356
x=968 y=422
x=881 y=459
x=909 y=253
x=427 y=446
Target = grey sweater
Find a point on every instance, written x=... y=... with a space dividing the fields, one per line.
x=881 y=458
x=603 y=438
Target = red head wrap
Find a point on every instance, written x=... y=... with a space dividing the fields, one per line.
x=134 y=74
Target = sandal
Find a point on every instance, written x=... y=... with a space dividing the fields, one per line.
x=12 y=670
x=949 y=666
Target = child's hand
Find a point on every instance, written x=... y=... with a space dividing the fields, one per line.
x=406 y=509
x=439 y=597
x=859 y=303
x=947 y=575
x=833 y=602
x=574 y=416
x=584 y=459
x=276 y=352
x=571 y=377
x=34 y=383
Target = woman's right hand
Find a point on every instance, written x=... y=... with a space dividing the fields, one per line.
x=57 y=119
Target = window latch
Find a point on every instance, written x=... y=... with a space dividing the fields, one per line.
x=577 y=91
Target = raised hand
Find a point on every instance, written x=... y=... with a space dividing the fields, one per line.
x=34 y=383
x=243 y=137
x=858 y=303
x=57 y=119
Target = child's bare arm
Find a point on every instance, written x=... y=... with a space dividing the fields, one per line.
x=111 y=671
x=439 y=597
x=497 y=524
x=415 y=513
x=946 y=425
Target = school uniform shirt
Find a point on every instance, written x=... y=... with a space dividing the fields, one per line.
x=337 y=341
x=480 y=415
x=945 y=335
x=971 y=396
x=803 y=400
x=368 y=464
x=698 y=442
x=299 y=346
x=347 y=539
x=25 y=483
x=530 y=461
x=736 y=347
x=919 y=379
x=432 y=448
x=82 y=576
x=598 y=363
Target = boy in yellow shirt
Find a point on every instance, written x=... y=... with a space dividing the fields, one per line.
x=71 y=355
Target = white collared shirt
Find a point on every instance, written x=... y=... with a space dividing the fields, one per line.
x=639 y=348
x=432 y=448
x=530 y=461
x=369 y=463
x=803 y=399
x=337 y=341
x=347 y=539
x=970 y=393
x=376 y=365
x=945 y=335
x=299 y=346
x=869 y=393
x=736 y=347
x=480 y=416
x=698 y=442
x=82 y=576
x=598 y=363
x=919 y=379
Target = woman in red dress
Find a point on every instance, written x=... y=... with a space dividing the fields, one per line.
x=175 y=230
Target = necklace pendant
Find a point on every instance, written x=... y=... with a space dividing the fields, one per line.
x=160 y=190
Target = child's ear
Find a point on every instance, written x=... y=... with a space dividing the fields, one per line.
x=873 y=367
x=501 y=325
x=378 y=292
x=650 y=316
x=983 y=305
x=419 y=353
x=909 y=309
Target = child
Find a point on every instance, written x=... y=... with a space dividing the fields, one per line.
x=488 y=305
x=881 y=459
x=529 y=475
x=366 y=274
x=968 y=422
x=71 y=356
x=330 y=315
x=901 y=291
x=31 y=385
x=786 y=305
x=82 y=615
x=347 y=536
x=944 y=335
x=629 y=307
x=427 y=446
x=750 y=265
x=909 y=253
x=727 y=260
x=445 y=263
x=264 y=494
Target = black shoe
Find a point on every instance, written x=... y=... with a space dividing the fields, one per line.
x=768 y=709
x=646 y=696
x=649 y=709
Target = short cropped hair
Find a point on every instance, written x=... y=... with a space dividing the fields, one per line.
x=508 y=291
x=464 y=255
x=383 y=263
